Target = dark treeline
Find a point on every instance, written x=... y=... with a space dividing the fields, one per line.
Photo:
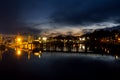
x=107 y=41
x=103 y=34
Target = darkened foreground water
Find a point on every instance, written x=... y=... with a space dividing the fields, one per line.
x=36 y=66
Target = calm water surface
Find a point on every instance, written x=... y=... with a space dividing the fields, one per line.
x=21 y=64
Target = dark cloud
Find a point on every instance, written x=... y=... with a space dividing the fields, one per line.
x=76 y=12
x=17 y=15
x=10 y=18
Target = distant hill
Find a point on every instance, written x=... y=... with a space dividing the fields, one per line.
x=113 y=28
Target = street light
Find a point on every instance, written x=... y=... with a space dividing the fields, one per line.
x=44 y=38
x=18 y=39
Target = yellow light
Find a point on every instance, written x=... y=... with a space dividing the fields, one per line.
x=18 y=52
x=83 y=39
x=39 y=38
x=44 y=38
x=19 y=39
x=118 y=39
x=36 y=54
x=83 y=47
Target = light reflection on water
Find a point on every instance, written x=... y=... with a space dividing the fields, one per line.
x=40 y=54
x=19 y=53
x=29 y=54
x=57 y=63
x=52 y=64
x=82 y=55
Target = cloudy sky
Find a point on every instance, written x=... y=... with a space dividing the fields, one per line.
x=57 y=16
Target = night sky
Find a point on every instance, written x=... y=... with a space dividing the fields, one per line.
x=57 y=16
